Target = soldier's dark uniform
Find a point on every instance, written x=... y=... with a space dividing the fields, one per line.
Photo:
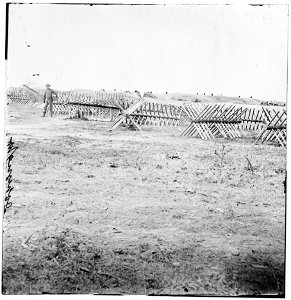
x=48 y=99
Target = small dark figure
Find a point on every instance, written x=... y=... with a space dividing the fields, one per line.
x=48 y=99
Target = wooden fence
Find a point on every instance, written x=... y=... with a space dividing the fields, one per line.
x=204 y=120
x=214 y=120
x=275 y=130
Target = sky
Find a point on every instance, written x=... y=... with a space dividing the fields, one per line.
x=233 y=50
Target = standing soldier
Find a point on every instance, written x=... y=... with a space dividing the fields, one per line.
x=48 y=99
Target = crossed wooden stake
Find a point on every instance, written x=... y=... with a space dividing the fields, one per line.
x=36 y=97
x=210 y=120
x=253 y=119
x=147 y=112
x=125 y=116
x=275 y=130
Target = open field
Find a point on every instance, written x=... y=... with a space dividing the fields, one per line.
x=149 y=212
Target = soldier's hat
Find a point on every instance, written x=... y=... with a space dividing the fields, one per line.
x=47 y=85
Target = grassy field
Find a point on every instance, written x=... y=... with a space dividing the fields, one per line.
x=149 y=212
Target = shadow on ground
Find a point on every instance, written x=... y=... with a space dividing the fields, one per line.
x=70 y=263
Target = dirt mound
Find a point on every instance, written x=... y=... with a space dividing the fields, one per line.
x=213 y=99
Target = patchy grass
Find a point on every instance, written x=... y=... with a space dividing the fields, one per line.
x=70 y=263
x=147 y=212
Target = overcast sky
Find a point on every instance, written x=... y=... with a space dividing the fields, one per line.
x=222 y=49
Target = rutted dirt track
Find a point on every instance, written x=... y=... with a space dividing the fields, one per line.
x=149 y=212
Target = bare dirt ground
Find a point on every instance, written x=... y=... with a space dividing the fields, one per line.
x=149 y=212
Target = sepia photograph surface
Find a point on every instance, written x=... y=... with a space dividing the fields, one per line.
x=145 y=149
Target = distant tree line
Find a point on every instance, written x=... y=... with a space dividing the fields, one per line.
x=272 y=103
